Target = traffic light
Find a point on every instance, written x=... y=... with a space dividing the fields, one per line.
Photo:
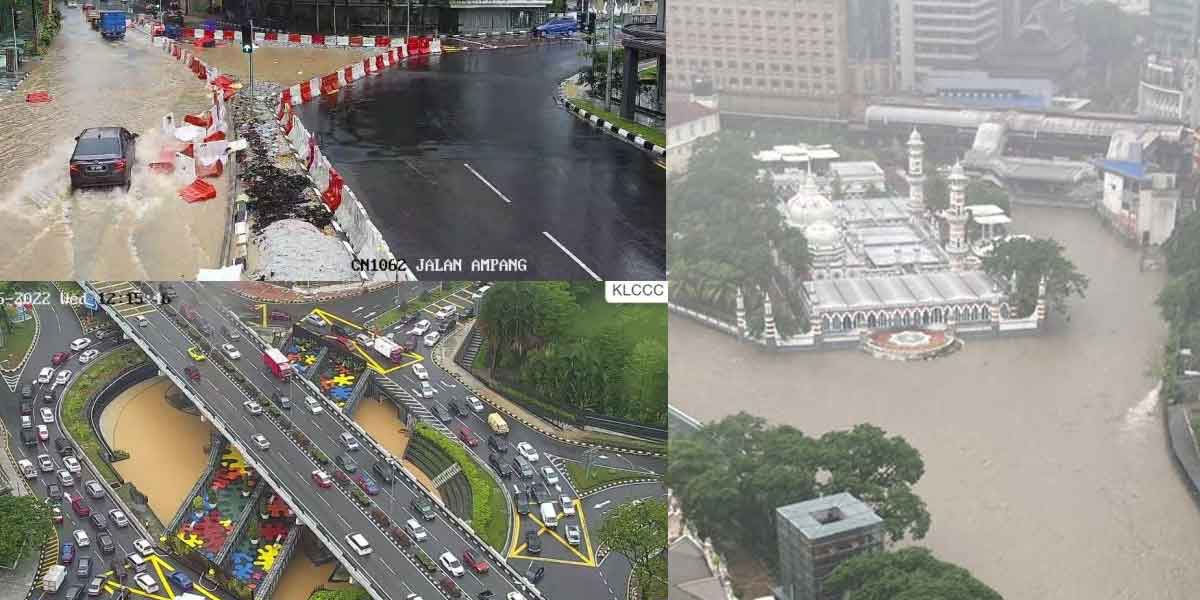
x=247 y=38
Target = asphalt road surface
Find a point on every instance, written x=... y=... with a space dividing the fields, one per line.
x=467 y=156
x=388 y=571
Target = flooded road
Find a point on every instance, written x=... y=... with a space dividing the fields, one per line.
x=146 y=233
x=1047 y=472
x=466 y=155
x=379 y=419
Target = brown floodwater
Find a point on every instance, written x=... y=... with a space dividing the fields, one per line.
x=380 y=420
x=165 y=445
x=1047 y=472
x=285 y=66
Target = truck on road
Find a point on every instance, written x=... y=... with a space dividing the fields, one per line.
x=54 y=577
x=112 y=24
x=393 y=351
x=278 y=364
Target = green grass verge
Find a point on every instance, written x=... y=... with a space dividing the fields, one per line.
x=392 y=316
x=489 y=510
x=600 y=475
x=350 y=593
x=650 y=133
x=17 y=343
x=635 y=321
x=99 y=374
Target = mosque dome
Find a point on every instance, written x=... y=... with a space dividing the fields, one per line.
x=822 y=235
x=809 y=206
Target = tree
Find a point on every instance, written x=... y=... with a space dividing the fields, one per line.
x=1030 y=260
x=517 y=317
x=24 y=526
x=1182 y=249
x=646 y=383
x=908 y=574
x=638 y=531
x=1179 y=299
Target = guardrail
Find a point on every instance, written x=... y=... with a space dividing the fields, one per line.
x=267 y=586
x=356 y=394
x=105 y=397
x=214 y=457
x=240 y=523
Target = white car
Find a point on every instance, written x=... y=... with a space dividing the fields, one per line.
x=81 y=539
x=62 y=377
x=514 y=596
x=261 y=441
x=80 y=344
x=64 y=478
x=573 y=536
x=421 y=327
x=568 y=505
x=143 y=547
x=72 y=464
x=230 y=351
x=45 y=375
x=452 y=565
x=432 y=338
x=475 y=403
x=527 y=451
x=441 y=314
x=481 y=291
x=363 y=339
x=420 y=371
x=415 y=530
x=426 y=390
x=314 y=405
x=26 y=467
x=47 y=414
x=45 y=463
x=316 y=320
x=117 y=516
x=146 y=582
x=142 y=321
x=359 y=543
x=88 y=355
x=252 y=406
x=550 y=475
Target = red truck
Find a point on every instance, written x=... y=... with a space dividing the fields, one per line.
x=278 y=364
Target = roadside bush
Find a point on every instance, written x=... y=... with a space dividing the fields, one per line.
x=401 y=537
x=489 y=517
x=321 y=458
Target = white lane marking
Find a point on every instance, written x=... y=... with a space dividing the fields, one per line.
x=369 y=315
x=487 y=183
x=602 y=504
x=573 y=257
x=357 y=309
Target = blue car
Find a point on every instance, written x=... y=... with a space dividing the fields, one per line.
x=68 y=553
x=366 y=484
x=562 y=26
x=180 y=581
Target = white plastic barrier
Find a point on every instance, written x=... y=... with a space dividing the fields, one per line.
x=185 y=168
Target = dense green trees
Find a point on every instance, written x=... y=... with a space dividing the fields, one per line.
x=1030 y=260
x=725 y=231
x=638 y=531
x=24 y=526
x=908 y=574
x=732 y=474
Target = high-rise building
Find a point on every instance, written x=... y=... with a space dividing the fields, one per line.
x=944 y=35
x=816 y=536
x=1175 y=27
x=799 y=57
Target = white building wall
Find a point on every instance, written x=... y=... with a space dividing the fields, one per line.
x=1114 y=190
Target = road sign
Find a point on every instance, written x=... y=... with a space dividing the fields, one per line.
x=90 y=302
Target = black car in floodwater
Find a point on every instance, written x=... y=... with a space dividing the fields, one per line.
x=103 y=157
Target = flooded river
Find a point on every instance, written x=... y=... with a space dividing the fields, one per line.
x=1047 y=472
x=105 y=233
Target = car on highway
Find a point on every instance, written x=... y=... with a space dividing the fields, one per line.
x=385 y=471
x=423 y=507
x=65 y=479
x=321 y=479
x=195 y=353
x=445 y=312
x=467 y=436
x=432 y=338
x=81 y=538
x=96 y=585
x=456 y=409
x=316 y=319
x=142 y=321
x=522 y=467
x=78 y=507
x=26 y=408
x=56 y=514
x=568 y=505
x=72 y=464
x=62 y=377
x=67 y=554
x=477 y=294
x=98 y=521
x=27 y=469
x=87 y=356
x=54 y=491
x=496 y=443
x=528 y=451
x=441 y=413
x=46 y=414
x=83 y=568
x=279 y=315
x=426 y=390
x=572 y=534
x=118 y=518
x=451 y=564
x=230 y=351
x=415 y=530
x=143 y=547
x=45 y=375
x=358 y=542
x=550 y=475
x=475 y=403
x=313 y=405
x=27 y=392
x=48 y=397
x=59 y=358
x=346 y=463
x=105 y=542
x=253 y=407
x=480 y=566
x=348 y=440
x=180 y=581
x=281 y=401
x=260 y=441
x=533 y=544
x=499 y=466
x=43 y=433
x=45 y=463
x=366 y=484
x=27 y=424
x=523 y=503
x=94 y=489
x=80 y=344
x=103 y=156
x=146 y=582
x=420 y=371
x=64 y=447
x=420 y=328
x=192 y=373
x=444 y=327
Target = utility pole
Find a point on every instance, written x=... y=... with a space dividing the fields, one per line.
x=608 y=82
x=408 y=22
x=389 y=18
x=16 y=46
x=34 y=12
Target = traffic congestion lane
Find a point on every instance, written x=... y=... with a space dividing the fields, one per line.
x=174 y=351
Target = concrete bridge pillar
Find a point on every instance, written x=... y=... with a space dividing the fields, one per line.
x=629 y=83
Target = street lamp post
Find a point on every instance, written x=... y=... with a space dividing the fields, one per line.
x=407 y=21
x=608 y=81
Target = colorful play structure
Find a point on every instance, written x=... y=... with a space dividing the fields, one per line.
x=261 y=541
x=209 y=526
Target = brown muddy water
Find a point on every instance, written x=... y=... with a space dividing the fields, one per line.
x=1047 y=471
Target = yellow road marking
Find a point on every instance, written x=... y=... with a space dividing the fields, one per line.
x=158 y=560
x=557 y=561
x=264 y=314
x=141 y=593
x=166 y=584
x=330 y=316
x=554 y=534
x=200 y=589
x=587 y=539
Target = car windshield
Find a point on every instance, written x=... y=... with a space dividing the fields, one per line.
x=92 y=146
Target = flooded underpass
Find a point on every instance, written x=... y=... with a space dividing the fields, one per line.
x=146 y=232
x=166 y=446
x=379 y=419
x=1047 y=472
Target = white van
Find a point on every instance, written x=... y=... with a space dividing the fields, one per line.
x=415 y=530
x=358 y=543
x=27 y=469
x=549 y=515
x=139 y=563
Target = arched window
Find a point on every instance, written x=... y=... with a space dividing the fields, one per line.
x=826 y=325
x=859 y=320
x=846 y=326
x=937 y=315
x=975 y=313
x=871 y=320
x=1004 y=314
x=986 y=313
